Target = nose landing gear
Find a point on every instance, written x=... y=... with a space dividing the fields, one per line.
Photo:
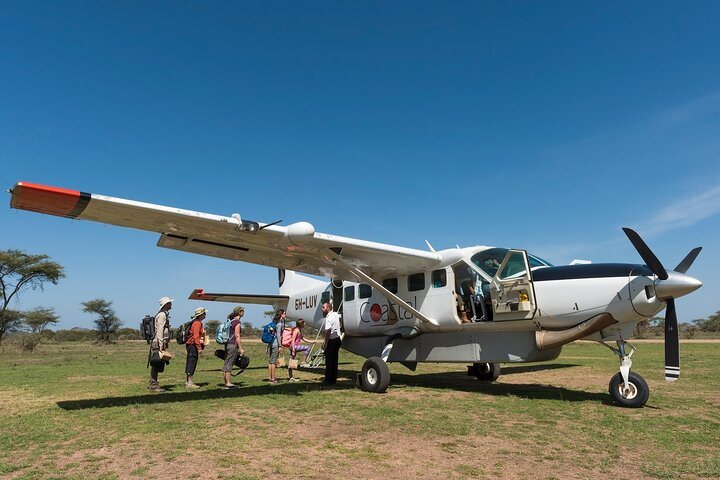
x=627 y=389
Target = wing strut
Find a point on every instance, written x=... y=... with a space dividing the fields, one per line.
x=391 y=296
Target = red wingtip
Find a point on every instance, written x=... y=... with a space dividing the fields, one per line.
x=51 y=200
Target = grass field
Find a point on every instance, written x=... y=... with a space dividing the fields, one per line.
x=78 y=410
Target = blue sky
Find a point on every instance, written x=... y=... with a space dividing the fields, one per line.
x=545 y=126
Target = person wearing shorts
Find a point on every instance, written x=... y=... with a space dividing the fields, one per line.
x=274 y=347
x=234 y=346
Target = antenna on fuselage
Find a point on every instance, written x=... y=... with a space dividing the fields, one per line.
x=430 y=246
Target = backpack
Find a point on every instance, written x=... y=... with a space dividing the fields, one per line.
x=147 y=328
x=268 y=333
x=286 y=338
x=223 y=332
x=183 y=332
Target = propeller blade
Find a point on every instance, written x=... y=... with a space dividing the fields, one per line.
x=672 y=343
x=650 y=259
x=684 y=266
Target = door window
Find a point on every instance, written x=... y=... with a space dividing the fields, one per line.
x=515 y=266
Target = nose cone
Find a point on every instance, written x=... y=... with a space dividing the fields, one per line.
x=676 y=285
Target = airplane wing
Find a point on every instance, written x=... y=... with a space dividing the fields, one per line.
x=279 y=301
x=296 y=247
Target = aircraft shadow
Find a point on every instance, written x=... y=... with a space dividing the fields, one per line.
x=457 y=381
x=460 y=381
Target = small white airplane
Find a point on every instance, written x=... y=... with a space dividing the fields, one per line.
x=480 y=305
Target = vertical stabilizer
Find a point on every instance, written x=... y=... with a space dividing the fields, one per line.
x=291 y=282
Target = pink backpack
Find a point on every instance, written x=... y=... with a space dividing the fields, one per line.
x=286 y=338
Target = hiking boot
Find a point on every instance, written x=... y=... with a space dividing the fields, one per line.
x=155 y=388
x=191 y=385
x=293 y=379
x=304 y=365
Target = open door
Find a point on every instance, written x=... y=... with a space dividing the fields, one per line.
x=511 y=289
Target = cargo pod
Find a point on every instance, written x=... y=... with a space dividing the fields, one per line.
x=511 y=289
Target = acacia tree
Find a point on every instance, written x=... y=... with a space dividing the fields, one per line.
x=211 y=327
x=12 y=320
x=38 y=319
x=107 y=322
x=20 y=271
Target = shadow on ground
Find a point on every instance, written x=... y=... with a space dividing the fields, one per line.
x=455 y=381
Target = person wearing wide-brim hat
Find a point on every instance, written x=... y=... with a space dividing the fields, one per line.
x=159 y=342
x=194 y=345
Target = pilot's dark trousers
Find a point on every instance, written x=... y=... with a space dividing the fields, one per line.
x=331 y=360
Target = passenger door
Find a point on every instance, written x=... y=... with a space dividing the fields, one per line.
x=511 y=289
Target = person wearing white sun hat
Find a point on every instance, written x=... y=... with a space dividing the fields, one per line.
x=159 y=342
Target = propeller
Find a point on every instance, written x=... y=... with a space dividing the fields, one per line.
x=668 y=287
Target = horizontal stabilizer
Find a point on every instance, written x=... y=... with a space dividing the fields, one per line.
x=275 y=300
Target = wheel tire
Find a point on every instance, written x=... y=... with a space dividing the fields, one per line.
x=639 y=391
x=486 y=372
x=375 y=375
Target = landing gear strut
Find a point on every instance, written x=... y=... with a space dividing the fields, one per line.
x=627 y=389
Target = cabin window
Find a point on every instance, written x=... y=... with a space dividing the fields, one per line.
x=439 y=278
x=416 y=282
x=364 y=291
x=325 y=297
x=349 y=293
x=391 y=284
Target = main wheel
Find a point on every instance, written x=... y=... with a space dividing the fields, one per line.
x=486 y=372
x=375 y=376
x=634 y=396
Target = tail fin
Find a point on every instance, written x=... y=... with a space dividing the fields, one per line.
x=290 y=282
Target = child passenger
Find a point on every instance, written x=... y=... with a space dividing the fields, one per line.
x=296 y=346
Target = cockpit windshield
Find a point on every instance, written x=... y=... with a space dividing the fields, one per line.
x=489 y=260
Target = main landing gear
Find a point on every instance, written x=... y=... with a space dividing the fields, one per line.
x=375 y=374
x=485 y=372
x=627 y=389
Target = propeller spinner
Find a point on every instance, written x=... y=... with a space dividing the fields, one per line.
x=668 y=287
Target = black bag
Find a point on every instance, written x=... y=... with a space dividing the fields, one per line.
x=183 y=333
x=242 y=362
x=147 y=328
x=156 y=361
x=221 y=353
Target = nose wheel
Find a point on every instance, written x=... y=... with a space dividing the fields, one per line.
x=631 y=394
x=627 y=389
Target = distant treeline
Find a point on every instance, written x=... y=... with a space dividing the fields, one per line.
x=125 y=333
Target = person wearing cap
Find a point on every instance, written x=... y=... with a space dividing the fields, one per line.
x=194 y=345
x=234 y=346
x=159 y=342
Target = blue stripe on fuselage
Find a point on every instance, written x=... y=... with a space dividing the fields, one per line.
x=592 y=270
